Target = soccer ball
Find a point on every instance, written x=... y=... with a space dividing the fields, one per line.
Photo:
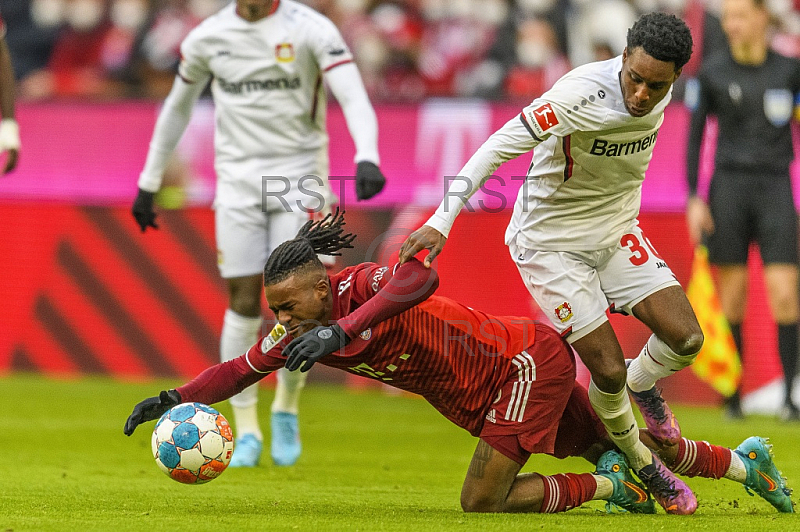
x=192 y=443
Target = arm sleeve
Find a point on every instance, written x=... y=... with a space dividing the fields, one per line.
x=387 y=293
x=697 y=100
x=223 y=381
x=346 y=85
x=171 y=123
x=510 y=141
x=192 y=78
x=219 y=382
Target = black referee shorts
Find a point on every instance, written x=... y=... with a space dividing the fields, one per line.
x=751 y=207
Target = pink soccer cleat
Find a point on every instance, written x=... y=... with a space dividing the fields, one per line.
x=658 y=417
x=668 y=490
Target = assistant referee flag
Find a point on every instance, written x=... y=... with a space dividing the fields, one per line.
x=718 y=362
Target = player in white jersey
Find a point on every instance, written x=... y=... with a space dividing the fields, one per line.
x=575 y=238
x=9 y=130
x=266 y=60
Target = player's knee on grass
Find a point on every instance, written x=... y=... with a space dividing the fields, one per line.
x=489 y=480
x=478 y=501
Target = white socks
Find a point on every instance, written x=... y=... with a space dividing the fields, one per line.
x=239 y=333
x=655 y=361
x=736 y=471
x=616 y=414
x=605 y=488
x=287 y=391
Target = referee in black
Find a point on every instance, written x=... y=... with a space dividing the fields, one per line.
x=753 y=92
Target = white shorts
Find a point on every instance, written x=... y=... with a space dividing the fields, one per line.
x=287 y=183
x=576 y=288
x=246 y=237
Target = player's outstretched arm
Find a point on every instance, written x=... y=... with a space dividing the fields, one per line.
x=170 y=125
x=508 y=142
x=151 y=408
x=216 y=383
x=346 y=85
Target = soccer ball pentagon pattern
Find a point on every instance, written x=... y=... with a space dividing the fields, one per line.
x=192 y=443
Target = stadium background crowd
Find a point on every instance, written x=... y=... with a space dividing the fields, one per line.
x=407 y=50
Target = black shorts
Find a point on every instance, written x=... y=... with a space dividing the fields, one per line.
x=747 y=208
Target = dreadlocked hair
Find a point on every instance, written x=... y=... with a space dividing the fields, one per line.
x=324 y=237
x=664 y=37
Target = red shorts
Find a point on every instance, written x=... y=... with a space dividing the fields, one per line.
x=524 y=418
x=578 y=429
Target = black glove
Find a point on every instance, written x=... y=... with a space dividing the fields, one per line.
x=151 y=408
x=313 y=345
x=369 y=180
x=143 y=210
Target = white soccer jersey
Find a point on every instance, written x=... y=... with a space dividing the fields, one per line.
x=585 y=182
x=268 y=93
x=583 y=187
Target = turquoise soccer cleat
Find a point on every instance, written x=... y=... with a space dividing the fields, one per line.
x=246 y=451
x=628 y=495
x=286 y=446
x=762 y=475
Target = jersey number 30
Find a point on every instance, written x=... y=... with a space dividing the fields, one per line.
x=638 y=251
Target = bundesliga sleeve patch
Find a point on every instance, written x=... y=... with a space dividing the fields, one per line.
x=542 y=118
x=545 y=116
x=277 y=334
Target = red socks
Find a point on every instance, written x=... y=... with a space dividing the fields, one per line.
x=701 y=459
x=565 y=491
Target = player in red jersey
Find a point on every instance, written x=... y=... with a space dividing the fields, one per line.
x=509 y=381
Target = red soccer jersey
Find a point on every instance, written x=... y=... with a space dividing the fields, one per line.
x=456 y=357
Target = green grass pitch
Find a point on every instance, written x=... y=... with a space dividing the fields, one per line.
x=371 y=461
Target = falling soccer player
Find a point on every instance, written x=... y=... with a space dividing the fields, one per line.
x=508 y=381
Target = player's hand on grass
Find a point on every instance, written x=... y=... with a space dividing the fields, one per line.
x=313 y=345
x=151 y=408
x=143 y=210
x=426 y=237
x=369 y=180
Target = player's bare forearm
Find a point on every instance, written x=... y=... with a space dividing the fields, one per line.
x=425 y=237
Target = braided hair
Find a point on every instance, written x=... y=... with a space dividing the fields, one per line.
x=664 y=37
x=325 y=237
